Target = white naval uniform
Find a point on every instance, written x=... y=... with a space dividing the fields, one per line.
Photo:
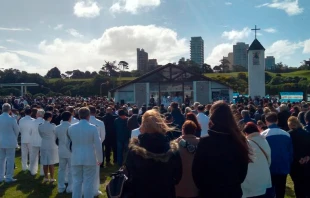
x=25 y=125
x=64 y=157
x=9 y=131
x=35 y=147
x=101 y=129
x=49 y=148
x=86 y=154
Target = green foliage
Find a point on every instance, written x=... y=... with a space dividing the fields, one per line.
x=53 y=73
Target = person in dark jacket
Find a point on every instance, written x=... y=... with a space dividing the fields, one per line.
x=110 y=137
x=174 y=133
x=133 y=120
x=301 y=115
x=221 y=161
x=154 y=165
x=283 y=116
x=123 y=135
x=281 y=155
x=178 y=117
x=300 y=167
x=307 y=119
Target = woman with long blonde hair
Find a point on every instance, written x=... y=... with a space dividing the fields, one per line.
x=152 y=159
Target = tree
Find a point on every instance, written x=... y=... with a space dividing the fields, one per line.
x=207 y=68
x=69 y=74
x=109 y=69
x=123 y=65
x=217 y=68
x=53 y=73
x=224 y=65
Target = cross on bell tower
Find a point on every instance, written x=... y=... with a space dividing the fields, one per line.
x=255 y=29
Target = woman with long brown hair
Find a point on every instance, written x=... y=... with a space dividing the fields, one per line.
x=192 y=117
x=221 y=161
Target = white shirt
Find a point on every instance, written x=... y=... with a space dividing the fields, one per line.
x=100 y=126
x=203 y=120
x=35 y=136
x=26 y=125
x=74 y=120
x=61 y=133
x=86 y=144
x=135 y=133
x=258 y=177
x=9 y=131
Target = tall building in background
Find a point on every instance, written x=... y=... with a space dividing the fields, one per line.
x=240 y=54
x=197 y=50
x=142 y=60
x=270 y=62
x=152 y=64
x=230 y=59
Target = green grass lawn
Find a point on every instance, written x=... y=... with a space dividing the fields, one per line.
x=302 y=73
x=33 y=187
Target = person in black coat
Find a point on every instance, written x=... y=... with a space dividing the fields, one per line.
x=221 y=161
x=178 y=117
x=110 y=137
x=283 y=116
x=132 y=122
x=154 y=165
x=300 y=169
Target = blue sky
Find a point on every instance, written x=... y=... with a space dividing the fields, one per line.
x=36 y=35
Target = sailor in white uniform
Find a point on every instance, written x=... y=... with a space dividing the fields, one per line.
x=86 y=155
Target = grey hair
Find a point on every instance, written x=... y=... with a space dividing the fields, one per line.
x=283 y=107
x=6 y=107
x=188 y=109
x=40 y=113
x=245 y=113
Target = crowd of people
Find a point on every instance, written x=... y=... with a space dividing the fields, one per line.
x=217 y=150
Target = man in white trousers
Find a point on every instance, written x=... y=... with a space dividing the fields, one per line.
x=64 y=153
x=86 y=155
x=25 y=125
x=9 y=131
x=36 y=144
x=101 y=129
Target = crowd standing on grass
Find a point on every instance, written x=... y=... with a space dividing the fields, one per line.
x=186 y=150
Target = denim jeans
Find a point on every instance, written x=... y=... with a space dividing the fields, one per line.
x=122 y=147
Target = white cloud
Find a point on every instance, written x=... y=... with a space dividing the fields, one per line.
x=58 y=27
x=13 y=41
x=11 y=60
x=87 y=9
x=306 y=47
x=237 y=35
x=283 y=48
x=2 y=47
x=228 y=3
x=291 y=7
x=133 y=6
x=270 y=30
x=74 y=33
x=117 y=43
x=218 y=52
x=14 y=29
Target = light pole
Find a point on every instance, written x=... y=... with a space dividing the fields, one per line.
x=106 y=83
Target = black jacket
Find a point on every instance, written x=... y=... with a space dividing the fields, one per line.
x=218 y=170
x=154 y=166
x=282 y=120
x=132 y=122
x=108 y=120
x=301 y=147
x=178 y=118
